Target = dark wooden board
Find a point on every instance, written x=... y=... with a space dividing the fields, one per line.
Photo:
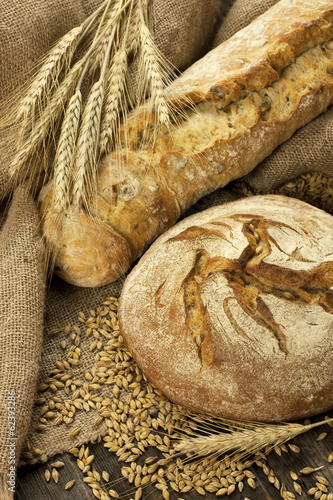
x=32 y=485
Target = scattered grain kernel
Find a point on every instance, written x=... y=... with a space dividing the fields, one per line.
x=55 y=475
x=294 y=448
x=307 y=470
x=57 y=465
x=40 y=427
x=251 y=482
x=106 y=476
x=75 y=432
x=74 y=452
x=113 y=494
x=321 y=487
x=70 y=484
x=297 y=488
x=322 y=480
x=138 y=494
x=221 y=492
x=165 y=494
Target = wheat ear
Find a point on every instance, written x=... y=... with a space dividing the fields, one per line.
x=133 y=40
x=244 y=441
x=113 y=101
x=151 y=68
x=47 y=79
x=88 y=140
x=64 y=159
x=87 y=145
x=45 y=123
x=99 y=53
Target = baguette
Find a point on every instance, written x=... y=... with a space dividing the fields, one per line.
x=241 y=326
x=248 y=95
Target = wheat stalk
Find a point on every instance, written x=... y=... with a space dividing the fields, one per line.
x=248 y=439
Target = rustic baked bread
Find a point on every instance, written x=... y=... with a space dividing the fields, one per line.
x=230 y=312
x=250 y=94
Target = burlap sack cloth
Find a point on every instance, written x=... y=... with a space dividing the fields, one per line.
x=29 y=310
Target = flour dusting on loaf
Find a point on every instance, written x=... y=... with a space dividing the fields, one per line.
x=231 y=311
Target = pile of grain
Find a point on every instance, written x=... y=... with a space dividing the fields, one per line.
x=141 y=425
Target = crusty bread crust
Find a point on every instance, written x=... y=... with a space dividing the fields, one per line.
x=251 y=94
x=230 y=312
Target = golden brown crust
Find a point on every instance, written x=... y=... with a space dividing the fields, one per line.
x=84 y=246
x=230 y=312
x=252 y=93
x=255 y=56
x=134 y=200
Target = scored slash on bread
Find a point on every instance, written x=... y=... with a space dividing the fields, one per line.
x=230 y=312
x=248 y=95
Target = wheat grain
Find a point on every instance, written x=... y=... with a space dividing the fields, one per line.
x=294 y=448
x=309 y=470
x=69 y=484
x=322 y=480
x=57 y=465
x=55 y=475
x=322 y=487
x=297 y=488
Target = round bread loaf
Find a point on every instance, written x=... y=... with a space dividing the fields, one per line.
x=230 y=312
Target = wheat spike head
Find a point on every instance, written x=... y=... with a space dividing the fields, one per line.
x=87 y=146
x=101 y=49
x=151 y=67
x=241 y=438
x=43 y=128
x=64 y=160
x=113 y=101
x=46 y=79
x=133 y=40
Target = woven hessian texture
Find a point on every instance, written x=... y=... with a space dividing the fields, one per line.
x=22 y=285
x=184 y=31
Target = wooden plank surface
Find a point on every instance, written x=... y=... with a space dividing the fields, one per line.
x=32 y=484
